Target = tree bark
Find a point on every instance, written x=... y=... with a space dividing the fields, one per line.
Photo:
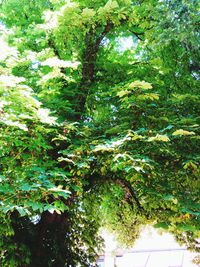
x=93 y=43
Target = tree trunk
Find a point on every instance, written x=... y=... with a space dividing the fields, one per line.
x=45 y=240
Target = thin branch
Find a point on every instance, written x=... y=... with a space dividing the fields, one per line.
x=138 y=35
x=129 y=192
x=53 y=46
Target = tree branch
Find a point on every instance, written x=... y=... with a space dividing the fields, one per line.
x=88 y=69
x=130 y=194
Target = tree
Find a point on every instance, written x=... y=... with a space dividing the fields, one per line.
x=93 y=133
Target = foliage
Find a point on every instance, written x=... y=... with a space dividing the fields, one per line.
x=99 y=115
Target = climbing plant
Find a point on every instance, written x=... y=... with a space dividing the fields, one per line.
x=99 y=116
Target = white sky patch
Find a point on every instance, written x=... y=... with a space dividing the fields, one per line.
x=6 y=50
x=35 y=65
x=122 y=43
x=2 y=26
x=126 y=43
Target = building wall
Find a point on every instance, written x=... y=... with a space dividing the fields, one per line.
x=163 y=258
x=151 y=250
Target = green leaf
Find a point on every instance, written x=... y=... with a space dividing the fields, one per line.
x=182 y=132
x=163 y=225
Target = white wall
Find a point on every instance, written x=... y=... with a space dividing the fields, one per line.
x=151 y=250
